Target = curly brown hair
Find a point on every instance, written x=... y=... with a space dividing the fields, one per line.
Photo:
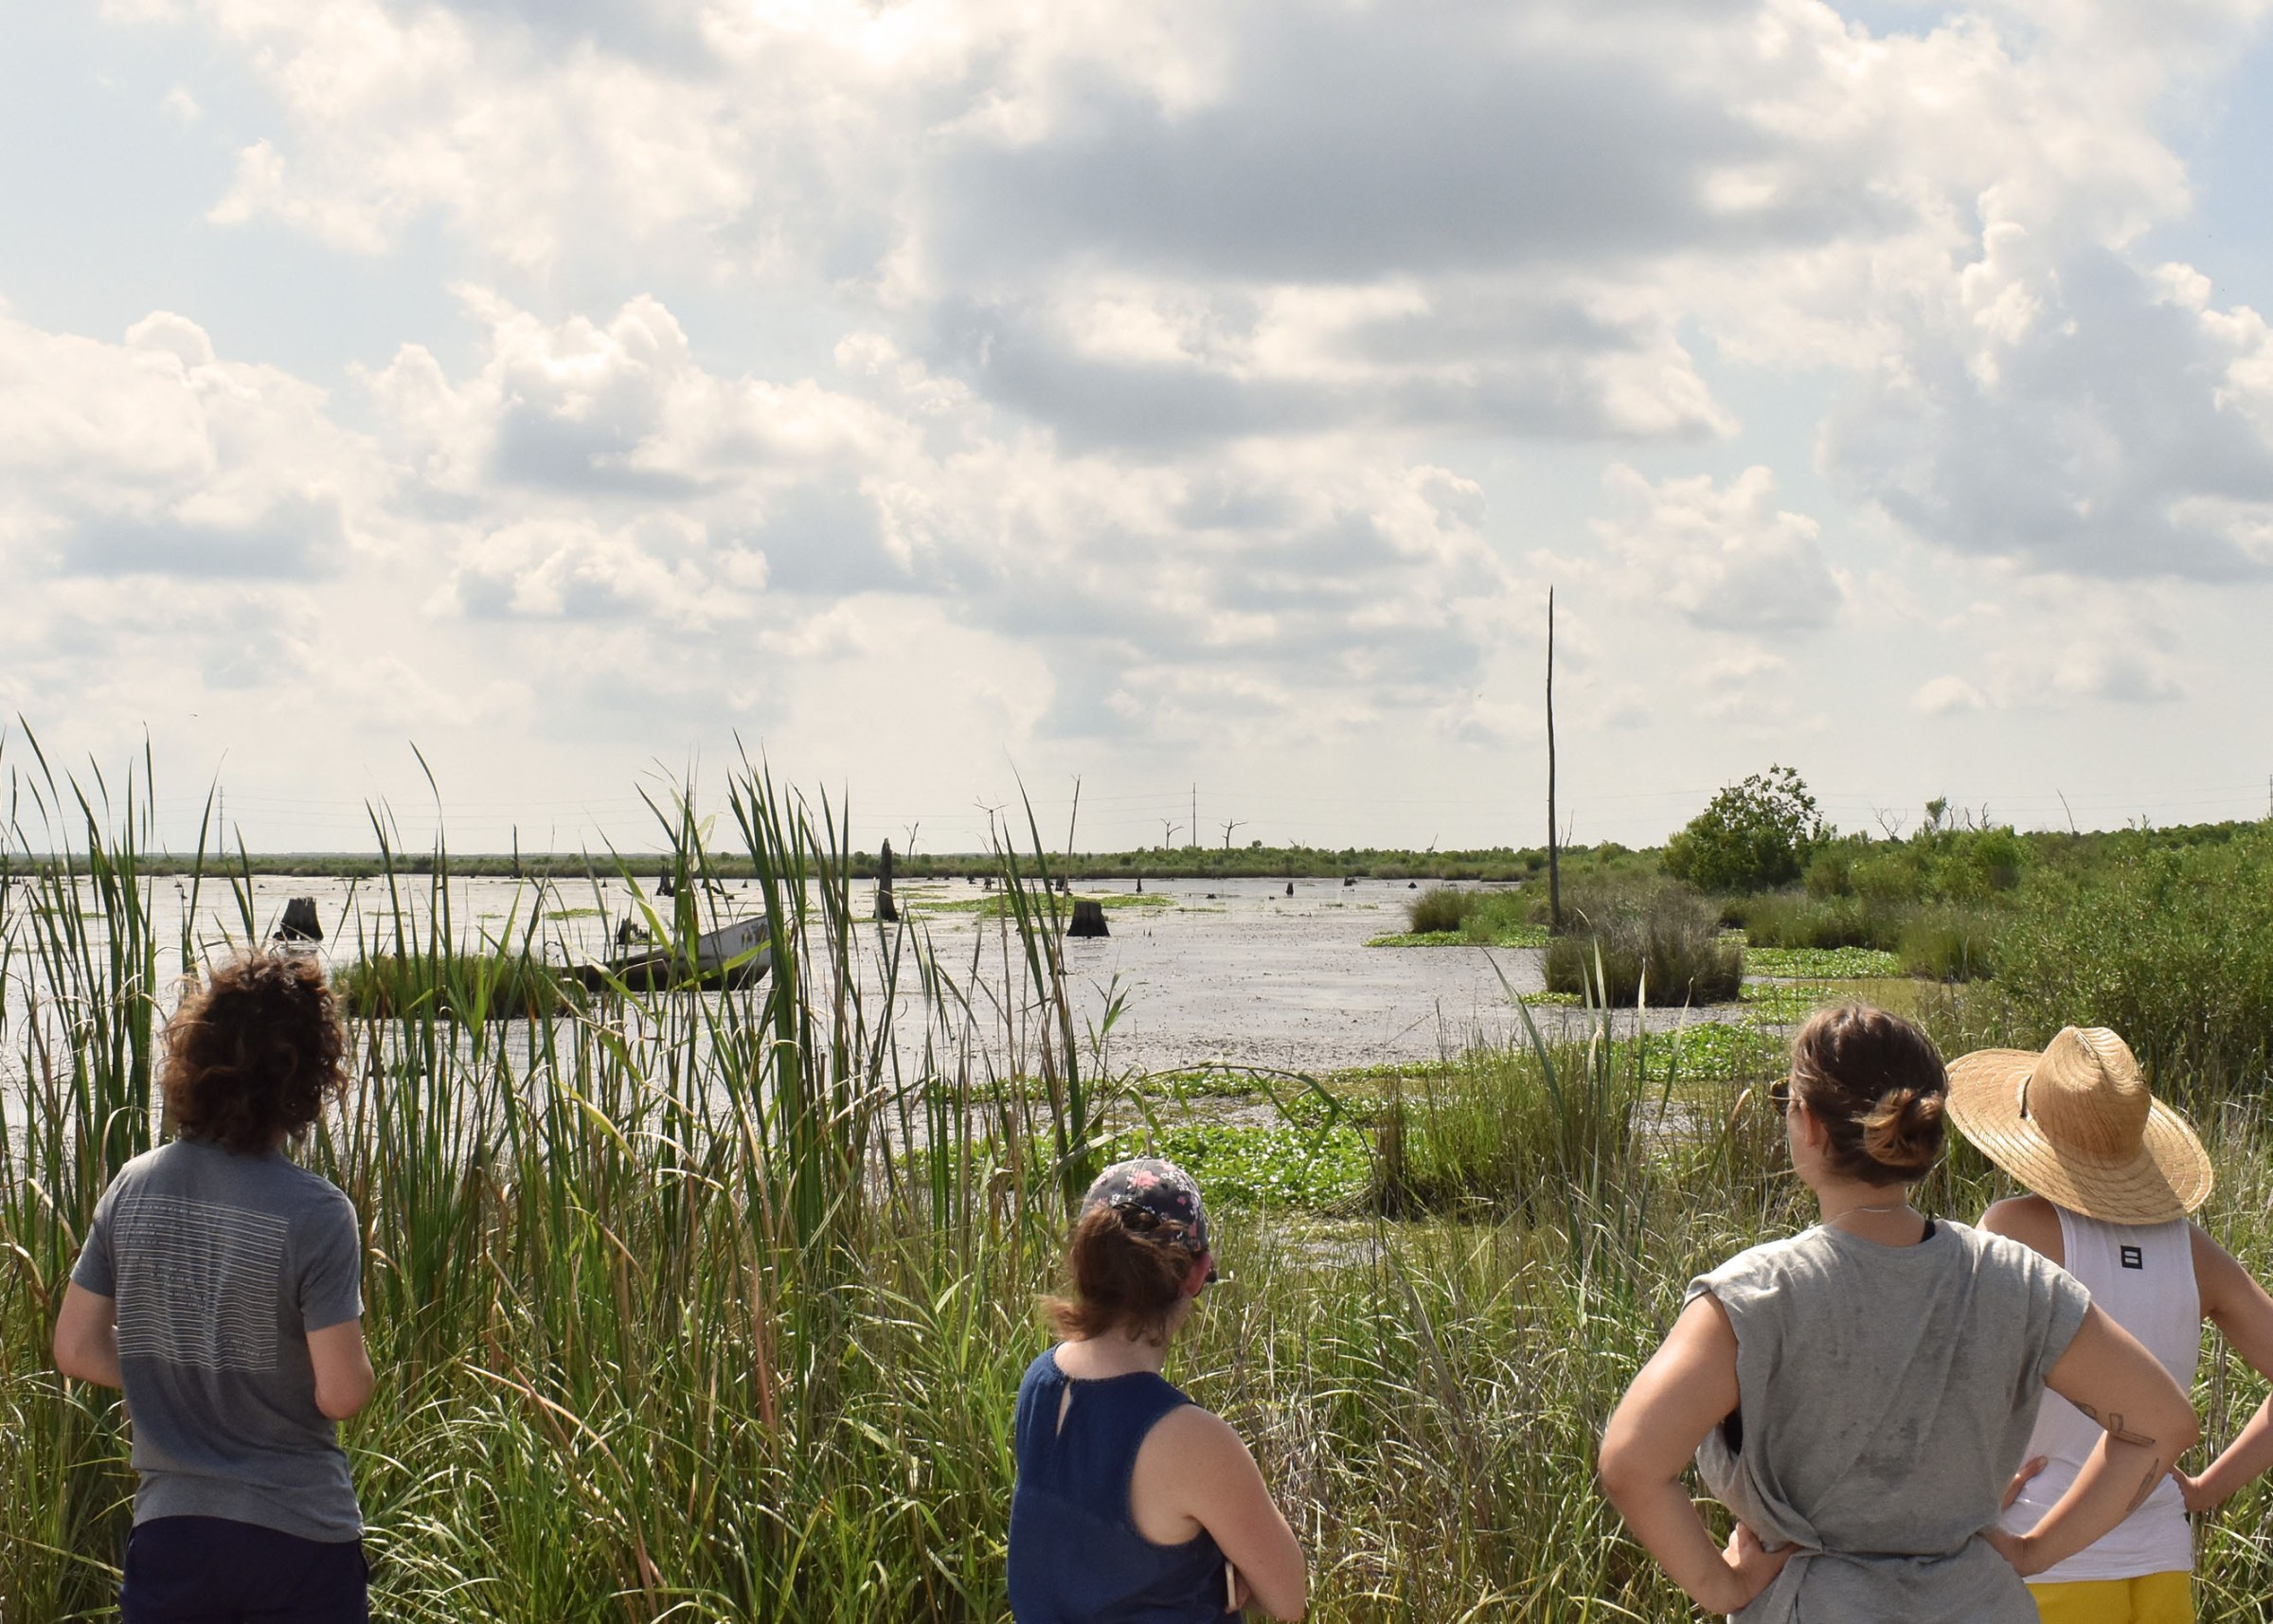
x=254 y=1054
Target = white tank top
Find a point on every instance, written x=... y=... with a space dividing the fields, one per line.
x=2142 y=1276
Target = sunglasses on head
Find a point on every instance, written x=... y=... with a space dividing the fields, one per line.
x=1145 y=1221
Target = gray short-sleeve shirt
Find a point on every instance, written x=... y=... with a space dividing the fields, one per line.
x=219 y=1266
x=1886 y=1393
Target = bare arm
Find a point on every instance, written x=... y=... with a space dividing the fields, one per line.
x=2238 y=1306
x=86 y=1337
x=1223 y=1491
x=344 y=1378
x=2030 y=1219
x=1682 y=1394
x=2107 y=1375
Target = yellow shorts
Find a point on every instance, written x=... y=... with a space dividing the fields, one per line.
x=2157 y=1598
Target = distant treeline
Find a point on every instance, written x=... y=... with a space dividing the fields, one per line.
x=1243 y=861
x=1499 y=863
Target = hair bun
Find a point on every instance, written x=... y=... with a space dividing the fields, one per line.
x=1903 y=1130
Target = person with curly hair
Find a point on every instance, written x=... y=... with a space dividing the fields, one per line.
x=220 y=1287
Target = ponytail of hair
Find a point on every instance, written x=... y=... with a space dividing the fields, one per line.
x=1120 y=1277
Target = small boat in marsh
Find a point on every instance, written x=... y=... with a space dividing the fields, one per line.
x=735 y=955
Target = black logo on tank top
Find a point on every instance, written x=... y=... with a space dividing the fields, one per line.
x=2134 y=1258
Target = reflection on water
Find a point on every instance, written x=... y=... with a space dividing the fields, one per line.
x=1225 y=970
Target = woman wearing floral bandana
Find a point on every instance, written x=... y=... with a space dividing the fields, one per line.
x=1132 y=1502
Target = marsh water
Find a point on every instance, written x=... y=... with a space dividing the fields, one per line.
x=1230 y=971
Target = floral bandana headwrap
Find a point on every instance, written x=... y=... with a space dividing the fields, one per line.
x=1151 y=1194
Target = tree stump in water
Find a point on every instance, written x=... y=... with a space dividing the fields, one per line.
x=300 y=921
x=887 y=911
x=1089 y=920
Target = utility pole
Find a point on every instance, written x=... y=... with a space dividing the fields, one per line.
x=1554 y=868
x=1194 y=824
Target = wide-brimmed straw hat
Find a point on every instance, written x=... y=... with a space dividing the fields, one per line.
x=2077 y=1125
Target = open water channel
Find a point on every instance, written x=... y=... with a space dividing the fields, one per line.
x=1230 y=972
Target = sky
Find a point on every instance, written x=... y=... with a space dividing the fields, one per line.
x=945 y=403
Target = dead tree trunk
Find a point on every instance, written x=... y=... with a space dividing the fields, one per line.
x=1554 y=865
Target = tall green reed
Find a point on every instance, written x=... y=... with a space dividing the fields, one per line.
x=712 y=1306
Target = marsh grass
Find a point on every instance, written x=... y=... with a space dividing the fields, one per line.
x=1662 y=945
x=712 y=1307
x=459 y=986
x=1445 y=916
x=1948 y=942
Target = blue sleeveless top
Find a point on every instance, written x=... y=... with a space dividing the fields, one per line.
x=1076 y=1557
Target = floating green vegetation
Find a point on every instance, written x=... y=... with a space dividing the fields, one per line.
x=1547 y=998
x=1366 y=1076
x=1325 y=1167
x=1510 y=935
x=460 y=986
x=1780 y=1003
x=1821 y=963
x=1444 y=916
x=575 y=913
x=1710 y=1051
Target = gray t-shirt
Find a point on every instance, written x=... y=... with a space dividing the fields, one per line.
x=221 y=1265
x=1886 y=1393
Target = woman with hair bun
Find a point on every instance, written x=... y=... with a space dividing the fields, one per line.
x=1133 y=1503
x=1860 y=1394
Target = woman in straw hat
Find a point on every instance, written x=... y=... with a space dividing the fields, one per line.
x=2115 y=1171
x=1860 y=1393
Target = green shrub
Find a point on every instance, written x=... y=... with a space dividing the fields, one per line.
x=1981 y=863
x=1447 y=917
x=504 y=987
x=1749 y=837
x=1831 y=870
x=1440 y=909
x=1948 y=943
x=1890 y=874
x=1786 y=918
x=1668 y=942
x=2173 y=948
x=1495 y=1130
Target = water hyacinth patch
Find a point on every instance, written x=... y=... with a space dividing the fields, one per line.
x=1711 y=1051
x=1781 y=1003
x=1820 y=963
x=1324 y=1169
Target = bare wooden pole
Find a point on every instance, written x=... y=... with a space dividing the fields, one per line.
x=1554 y=868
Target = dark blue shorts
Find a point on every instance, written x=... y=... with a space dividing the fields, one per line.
x=210 y=1570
